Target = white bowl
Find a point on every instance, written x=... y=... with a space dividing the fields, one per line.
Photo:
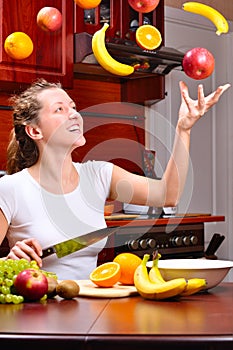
x=214 y=271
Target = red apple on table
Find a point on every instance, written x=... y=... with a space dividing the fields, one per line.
x=49 y=19
x=198 y=63
x=32 y=284
x=143 y=6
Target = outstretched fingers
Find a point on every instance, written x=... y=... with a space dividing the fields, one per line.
x=201 y=100
x=185 y=96
x=214 y=96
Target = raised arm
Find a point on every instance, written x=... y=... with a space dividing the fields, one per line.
x=127 y=187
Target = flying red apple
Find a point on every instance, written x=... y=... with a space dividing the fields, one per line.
x=143 y=6
x=198 y=63
x=32 y=284
x=49 y=19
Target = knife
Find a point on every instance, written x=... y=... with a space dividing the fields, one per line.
x=74 y=244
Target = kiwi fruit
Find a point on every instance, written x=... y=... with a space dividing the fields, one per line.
x=67 y=289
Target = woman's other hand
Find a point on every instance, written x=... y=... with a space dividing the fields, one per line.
x=192 y=110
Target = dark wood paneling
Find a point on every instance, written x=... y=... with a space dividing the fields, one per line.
x=5 y=128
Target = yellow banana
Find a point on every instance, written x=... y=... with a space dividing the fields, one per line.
x=154 y=273
x=194 y=285
x=155 y=291
x=104 y=58
x=209 y=12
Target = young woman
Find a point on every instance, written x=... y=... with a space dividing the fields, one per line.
x=47 y=198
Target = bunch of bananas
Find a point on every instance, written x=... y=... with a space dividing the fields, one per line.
x=151 y=285
x=210 y=13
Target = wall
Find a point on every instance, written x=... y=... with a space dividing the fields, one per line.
x=223 y=6
x=209 y=186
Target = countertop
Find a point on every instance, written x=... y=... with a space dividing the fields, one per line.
x=203 y=321
x=140 y=220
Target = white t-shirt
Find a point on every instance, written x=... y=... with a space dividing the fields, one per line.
x=31 y=211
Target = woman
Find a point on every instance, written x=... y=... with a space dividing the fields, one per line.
x=47 y=198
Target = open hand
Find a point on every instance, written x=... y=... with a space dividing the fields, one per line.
x=192 y=110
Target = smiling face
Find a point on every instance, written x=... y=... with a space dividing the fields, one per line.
x=60 y=124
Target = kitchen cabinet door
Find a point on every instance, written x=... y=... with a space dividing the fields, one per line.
x=52 y=57
x=5 y=129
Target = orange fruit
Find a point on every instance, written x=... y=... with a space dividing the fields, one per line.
x=148 y=37
x=106 y=275
x=128 y=263
x=18 y=45
x=87 y=4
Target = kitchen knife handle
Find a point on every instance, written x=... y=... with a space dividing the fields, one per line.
x=47 y=252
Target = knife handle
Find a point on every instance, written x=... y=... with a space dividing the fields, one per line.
x=47 y=252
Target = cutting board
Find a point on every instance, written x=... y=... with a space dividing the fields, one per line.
x=121 y=216
x=89 y=289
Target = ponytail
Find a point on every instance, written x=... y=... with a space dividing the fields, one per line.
x=20 y=153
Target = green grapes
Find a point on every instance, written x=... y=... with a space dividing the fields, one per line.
x=9 y=269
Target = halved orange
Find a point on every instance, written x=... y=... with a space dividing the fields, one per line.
x=18 y=45
x=87 y=4
x=148 y=37
x=106 y=275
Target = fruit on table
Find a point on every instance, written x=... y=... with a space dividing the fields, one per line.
x=128 y=263
x=9 y=269
x=49 y=19
x=18 y=45
x=156 y=290
x=198 y=63
x=148 y=37
x=31 y=283
x=209 y=12
x=154 y=273
x=106 y=274
x=193 y=285
x=87 y=4
x=143 y=6
x=52 y=285
x=104 y=58
x=67 y=289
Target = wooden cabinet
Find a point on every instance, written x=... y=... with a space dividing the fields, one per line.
x=113 y=106
x=140 y=87
x=122 y=19
x=5 y=128
x=52 y=56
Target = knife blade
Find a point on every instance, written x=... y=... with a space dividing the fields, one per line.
x=74 y=244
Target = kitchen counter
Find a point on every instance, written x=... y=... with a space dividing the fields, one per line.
x=140 y=220
x=203 y=321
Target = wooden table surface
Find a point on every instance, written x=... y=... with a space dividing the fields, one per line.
x=203 y=321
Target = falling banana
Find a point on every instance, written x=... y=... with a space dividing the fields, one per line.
x=209 y=12
x=104 y=58
x=156 y=291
